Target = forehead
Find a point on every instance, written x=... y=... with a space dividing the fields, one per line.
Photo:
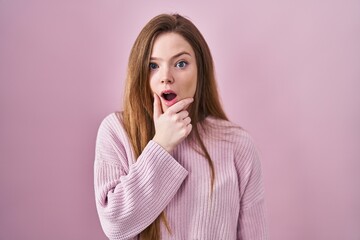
x=167 y=45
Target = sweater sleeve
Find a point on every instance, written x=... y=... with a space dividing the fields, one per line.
x=130 y=197
x=252 y=221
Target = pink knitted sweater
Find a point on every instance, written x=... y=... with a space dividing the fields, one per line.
x=130 y=193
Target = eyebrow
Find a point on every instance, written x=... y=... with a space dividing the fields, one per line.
x=175 y=56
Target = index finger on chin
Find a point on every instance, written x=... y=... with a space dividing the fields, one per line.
x=181 y=105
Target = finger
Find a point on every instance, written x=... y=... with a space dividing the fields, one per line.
x=157 y=107
x=187 y=121
x=180 y=105
x=188 y=129
x=183 y=114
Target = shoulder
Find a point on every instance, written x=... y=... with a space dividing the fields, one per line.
x=111 y=128
x=111 y=123
x=238 y=138
x=110 y=120
x=229 y=130
x=112 y=144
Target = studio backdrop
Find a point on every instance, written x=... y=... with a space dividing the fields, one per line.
x=287 y=71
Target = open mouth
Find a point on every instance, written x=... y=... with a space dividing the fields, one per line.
x=168 y=95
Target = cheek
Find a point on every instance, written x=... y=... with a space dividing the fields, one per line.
x=189 y=85
x=152 y=82
x=192 y=83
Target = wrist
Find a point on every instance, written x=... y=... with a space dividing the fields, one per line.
x=164 y=146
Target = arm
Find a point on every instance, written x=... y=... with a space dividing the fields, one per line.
x=128 y=199
x=252 y=221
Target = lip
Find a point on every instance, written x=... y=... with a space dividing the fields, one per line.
x=168 y=103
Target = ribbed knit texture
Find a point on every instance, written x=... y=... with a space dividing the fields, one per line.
x=131 y=193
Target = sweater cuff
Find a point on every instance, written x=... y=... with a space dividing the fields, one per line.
x=155 y=156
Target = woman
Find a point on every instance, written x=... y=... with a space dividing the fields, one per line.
x=171 y=166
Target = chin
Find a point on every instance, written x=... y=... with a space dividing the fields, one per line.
x=164 y=107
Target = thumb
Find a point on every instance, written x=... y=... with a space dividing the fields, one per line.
x=157 y=106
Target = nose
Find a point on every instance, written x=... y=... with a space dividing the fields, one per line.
x=166 y=76
x=168 y=80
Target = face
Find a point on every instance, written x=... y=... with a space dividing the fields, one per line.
x=173 y=70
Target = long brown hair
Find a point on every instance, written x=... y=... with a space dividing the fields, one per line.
x=138 y=98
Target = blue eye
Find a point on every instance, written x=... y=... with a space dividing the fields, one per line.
x=153 y=66
x=181 y=64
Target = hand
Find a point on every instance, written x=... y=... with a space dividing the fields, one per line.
x=172 y=126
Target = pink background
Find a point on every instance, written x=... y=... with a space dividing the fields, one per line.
x=288 y=72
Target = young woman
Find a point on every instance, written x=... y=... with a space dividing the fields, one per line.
x=170 y=165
